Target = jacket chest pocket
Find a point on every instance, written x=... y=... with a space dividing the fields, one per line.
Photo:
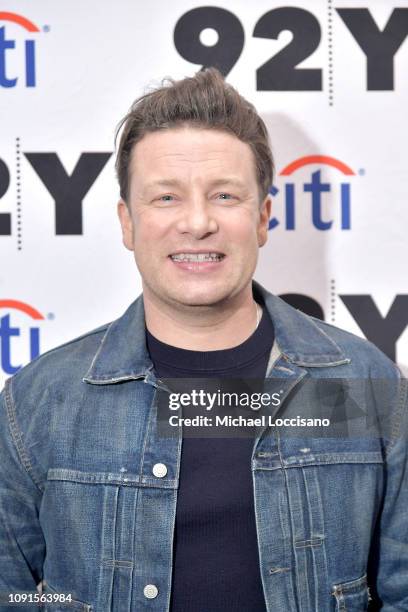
x=88 y=519
x=108 y=535
x=82 y=511
x=352 y=596
x=333 y=500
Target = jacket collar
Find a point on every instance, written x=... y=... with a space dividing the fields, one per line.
x=300 y=337
x=123 y=355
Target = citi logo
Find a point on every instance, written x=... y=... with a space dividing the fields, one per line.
x=325 y=199
x=23 y=330
x=24 y=48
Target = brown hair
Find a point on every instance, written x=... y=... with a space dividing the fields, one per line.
x=205 y=101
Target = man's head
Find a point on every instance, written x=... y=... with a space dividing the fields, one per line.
x=204 y=100
x=194 y=167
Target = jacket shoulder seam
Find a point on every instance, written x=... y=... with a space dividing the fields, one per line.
x=400 y=411
x=364 y=340
x=93 y=332
x=16 y=435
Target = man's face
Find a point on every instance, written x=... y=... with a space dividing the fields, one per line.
x=194 y=220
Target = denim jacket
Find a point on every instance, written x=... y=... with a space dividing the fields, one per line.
x=85 y=511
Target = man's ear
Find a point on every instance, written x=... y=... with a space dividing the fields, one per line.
x=264 y=216
x=126 y=224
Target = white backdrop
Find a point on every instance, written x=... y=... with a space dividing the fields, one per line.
x=69 y=72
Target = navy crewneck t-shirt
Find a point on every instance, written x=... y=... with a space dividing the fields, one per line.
x=215 y=557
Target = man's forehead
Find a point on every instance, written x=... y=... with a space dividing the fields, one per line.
x=212 y=182
x=168 y=159
x=178 y=144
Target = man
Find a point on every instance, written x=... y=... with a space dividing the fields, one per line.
x=108 y=514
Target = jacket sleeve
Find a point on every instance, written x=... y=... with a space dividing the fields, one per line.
x=389 y=555
x=22 y=546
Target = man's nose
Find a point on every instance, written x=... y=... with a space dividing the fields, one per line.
x=197 y=218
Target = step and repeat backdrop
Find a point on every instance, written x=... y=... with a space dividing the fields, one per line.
x=329 y=77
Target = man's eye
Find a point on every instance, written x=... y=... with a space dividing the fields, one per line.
x=166 y=198
x=228 y=196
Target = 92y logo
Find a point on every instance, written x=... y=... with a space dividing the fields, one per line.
x=67 y=190
x=280 y=72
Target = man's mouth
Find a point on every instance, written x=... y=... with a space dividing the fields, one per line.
x=197 y=257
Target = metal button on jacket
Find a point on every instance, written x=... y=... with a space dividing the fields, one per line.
x=159 y=470
x=150 y=591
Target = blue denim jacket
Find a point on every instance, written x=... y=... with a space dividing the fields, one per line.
x=82 y=510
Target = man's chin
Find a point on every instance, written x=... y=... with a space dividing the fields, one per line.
x=200 y=300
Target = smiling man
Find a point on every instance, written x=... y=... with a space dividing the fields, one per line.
x=195 y=219
x=110 y=515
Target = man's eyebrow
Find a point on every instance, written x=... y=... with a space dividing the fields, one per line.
x=231 y=180
x=163 y=183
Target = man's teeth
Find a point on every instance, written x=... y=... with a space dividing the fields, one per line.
x=197 y=257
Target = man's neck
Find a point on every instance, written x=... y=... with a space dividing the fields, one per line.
x=202 y=328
